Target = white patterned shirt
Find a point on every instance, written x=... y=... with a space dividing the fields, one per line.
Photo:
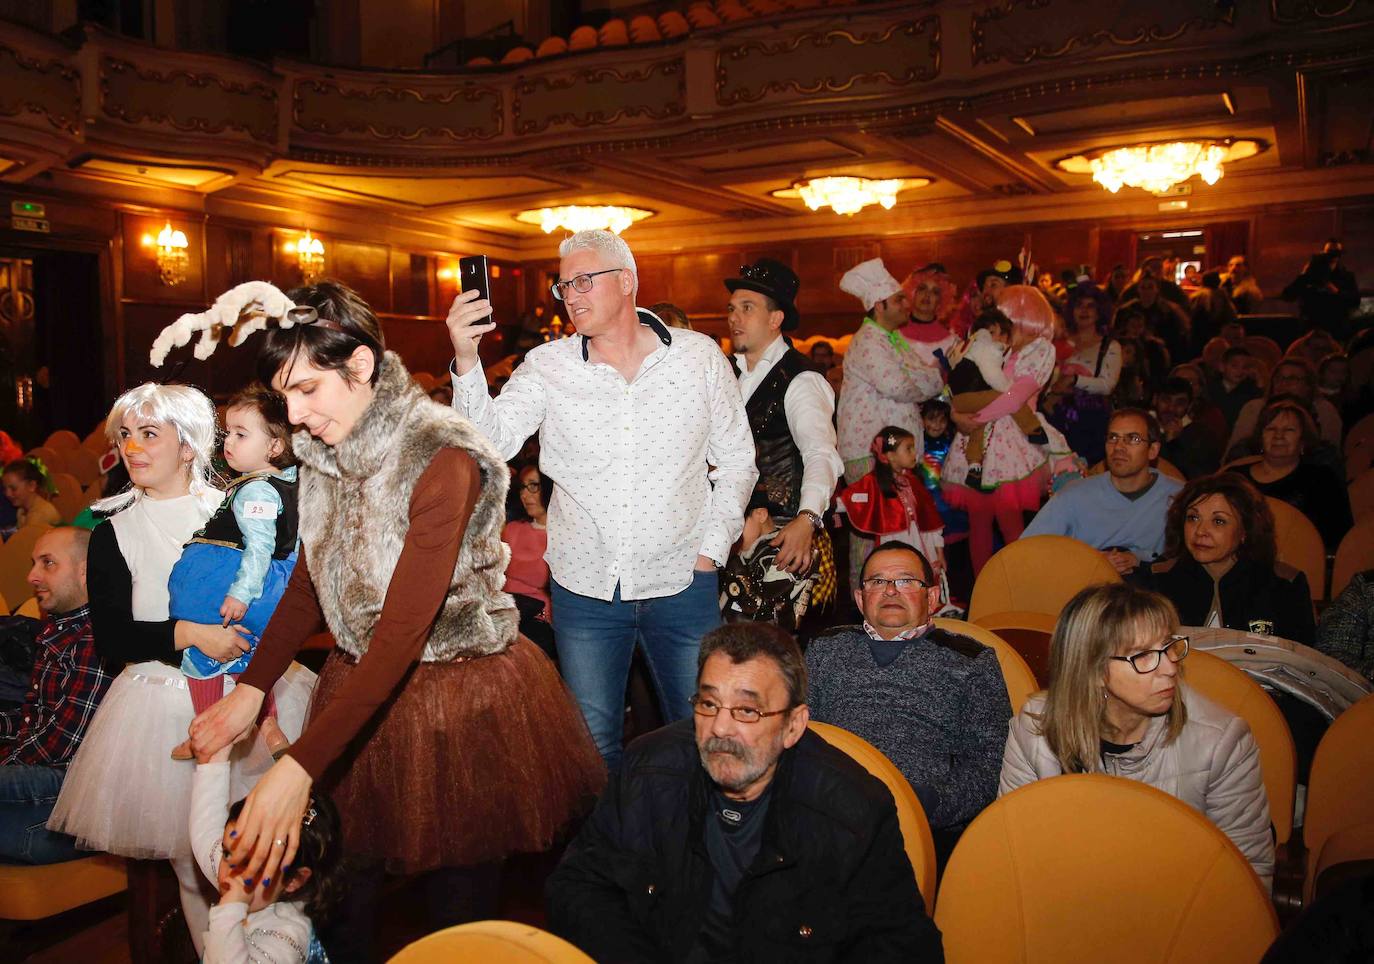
x=647 y=474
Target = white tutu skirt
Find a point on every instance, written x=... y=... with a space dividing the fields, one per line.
x=124 y=794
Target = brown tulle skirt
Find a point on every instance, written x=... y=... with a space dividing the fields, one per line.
x=467 y=763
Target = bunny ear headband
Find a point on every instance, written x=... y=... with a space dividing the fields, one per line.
x=241 y=311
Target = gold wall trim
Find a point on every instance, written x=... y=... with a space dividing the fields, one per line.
x=397 y=113
x=1297 y=11
x=1022 y=31
x=203 y=103
x=829 y=61
x=50 y=89
x=597 y=96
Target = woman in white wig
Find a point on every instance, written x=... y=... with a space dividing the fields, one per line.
x=123 y=793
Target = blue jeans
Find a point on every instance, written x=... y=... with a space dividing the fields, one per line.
x=596 y=640
x=27 y=795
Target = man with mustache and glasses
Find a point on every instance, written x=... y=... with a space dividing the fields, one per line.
x=740 y=835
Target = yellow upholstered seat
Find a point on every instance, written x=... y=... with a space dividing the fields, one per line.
x=1037 y=574
x=1340 y=787
x=1233 y=689
x=491 y=940
x=36 y=892
x=920 y=846
x=1089 y=867
x=1300 y=545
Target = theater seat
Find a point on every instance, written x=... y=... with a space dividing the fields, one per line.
x=1028 y=633
x=518 y=55
x=920 y=846
x=1016 y=672
x=673 y=24
x=1300 y=545
x=613 y=33
x=1356 y=553
x=491 y=940
x=582 y=38
x=1361 y=433
x=1233 y=689
x=1089 y=867
x=1037 y=574
x=1341 y=784
x=63 y=440
x=84 y=464
x=29 y=607
x=33 y=893
x=1362 y=497
x=96 y=441
x=1347 y=853
x=551 y=47
x=16 y=559
x=644 y=29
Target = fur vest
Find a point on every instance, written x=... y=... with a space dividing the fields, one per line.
x=355 y=513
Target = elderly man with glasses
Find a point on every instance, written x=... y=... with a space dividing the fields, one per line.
x=1120 y=511
x=933 y=701
x=643 y=431
x=742 y=836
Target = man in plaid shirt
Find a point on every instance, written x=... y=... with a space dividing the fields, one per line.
x=39 y=739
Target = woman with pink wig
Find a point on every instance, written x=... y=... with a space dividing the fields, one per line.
x=933 y=299
x=1016 y=469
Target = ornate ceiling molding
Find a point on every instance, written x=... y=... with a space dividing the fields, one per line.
x=830 y=61
x=202 y=103
x=1022 y=31
x=599 y=96
x=388 y=113
x=47 y=88
x=1300 y=11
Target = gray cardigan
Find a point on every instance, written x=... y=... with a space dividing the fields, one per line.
x=1213 y=767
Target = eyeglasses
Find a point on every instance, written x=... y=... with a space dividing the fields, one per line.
x=582 y=283
x=530 y=486
x=879 y=584
x=1148 y=660
x=705 y=706
x=1134 y=438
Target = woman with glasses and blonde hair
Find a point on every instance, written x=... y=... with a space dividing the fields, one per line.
x=1117 y=704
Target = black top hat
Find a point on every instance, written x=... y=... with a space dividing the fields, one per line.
x=774 y=279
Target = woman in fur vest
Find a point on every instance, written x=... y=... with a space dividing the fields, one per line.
x=446 y=738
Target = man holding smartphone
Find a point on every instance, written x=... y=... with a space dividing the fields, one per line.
x=644 y=433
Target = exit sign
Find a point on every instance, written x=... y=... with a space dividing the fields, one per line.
x=28 y=209
x=29 y=224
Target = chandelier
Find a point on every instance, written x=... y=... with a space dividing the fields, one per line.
x=1157 y=167
x=310 y=257
x=172 y=256
x=848 y=195
x=577 y=217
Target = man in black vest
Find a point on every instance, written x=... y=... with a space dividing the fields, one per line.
x=791 y=407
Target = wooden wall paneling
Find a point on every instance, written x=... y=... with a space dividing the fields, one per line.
x=966 y=253
x=422 y=343
x=655 y=279
x=505 y=290
x=1356 y=231
x=363 y=267
x=142 y=281
x=228 y=370
x=410 y=283
x=1057 y=248
x=1284 y=241
x=901 y=256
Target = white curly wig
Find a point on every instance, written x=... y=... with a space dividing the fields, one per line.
x=186 y=409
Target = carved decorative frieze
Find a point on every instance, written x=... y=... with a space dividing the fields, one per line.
x=387 y=113
x=1022 y=31
x=1297 y=11
x=202 y=103
x=597 y=96
x=50 y=89
x=830 y=61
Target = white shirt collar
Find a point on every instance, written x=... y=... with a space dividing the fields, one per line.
x=769 y=357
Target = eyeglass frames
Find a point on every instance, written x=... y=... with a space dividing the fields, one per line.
x=705 y=706
x=879 y=584
x=1148 y=660
x=582 y=283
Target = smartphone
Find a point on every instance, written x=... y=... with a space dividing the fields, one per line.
x=472 y=273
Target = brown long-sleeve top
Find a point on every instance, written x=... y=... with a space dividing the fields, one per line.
x=440 y=508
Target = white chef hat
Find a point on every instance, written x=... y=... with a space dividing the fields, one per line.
x=869 y=282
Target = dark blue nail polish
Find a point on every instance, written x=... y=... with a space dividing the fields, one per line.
x=248 y=882
x=233 y=833
x=266 y=882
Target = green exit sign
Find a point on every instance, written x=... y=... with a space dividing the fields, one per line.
x=28 y=209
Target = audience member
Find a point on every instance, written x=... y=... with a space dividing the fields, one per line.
x=1120 y=511
x=1052 y=289
x=1290 y=377
x=1334 y=385
x=1164 y=317
x=27 y=487
x=1116 y=282
x=1016 y=471
x=1118 y=703
x=1231 y=387
x=1188 y=444
x=1325 y=290
x=1154 y=267
x=1151 y=359
x=822 y=356
x=636 y=422
x=789 y=405
x=932 y=295
x=933 y=701
x=1133 y=386
x=884 y=380
x=1209 y=310
x=671 y=315
x=1220 y=565
x=1088 y=377
x=1202 y=410
x=668 y=866
x=527 y=574
x=39 y=738
x=939 y=434
x=1240 y=285
x=992 y=280
x=1346 y=630
x=1285 y=431
x=892 y=503
x=1313 y=347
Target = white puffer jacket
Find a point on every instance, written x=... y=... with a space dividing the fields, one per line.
x=1213 y=766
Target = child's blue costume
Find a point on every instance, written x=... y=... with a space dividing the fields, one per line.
x=247 y=550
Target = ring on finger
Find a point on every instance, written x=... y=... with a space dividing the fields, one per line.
x=279 y=843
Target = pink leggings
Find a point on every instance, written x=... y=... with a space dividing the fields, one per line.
x=1004 y=503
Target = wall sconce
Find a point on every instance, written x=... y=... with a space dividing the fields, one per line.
x=172 y=256
x=309 y=255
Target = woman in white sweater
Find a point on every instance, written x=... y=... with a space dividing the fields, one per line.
x=1117 y=704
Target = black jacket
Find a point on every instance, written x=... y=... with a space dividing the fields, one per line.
x=1274 y=602
x=831 y=881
